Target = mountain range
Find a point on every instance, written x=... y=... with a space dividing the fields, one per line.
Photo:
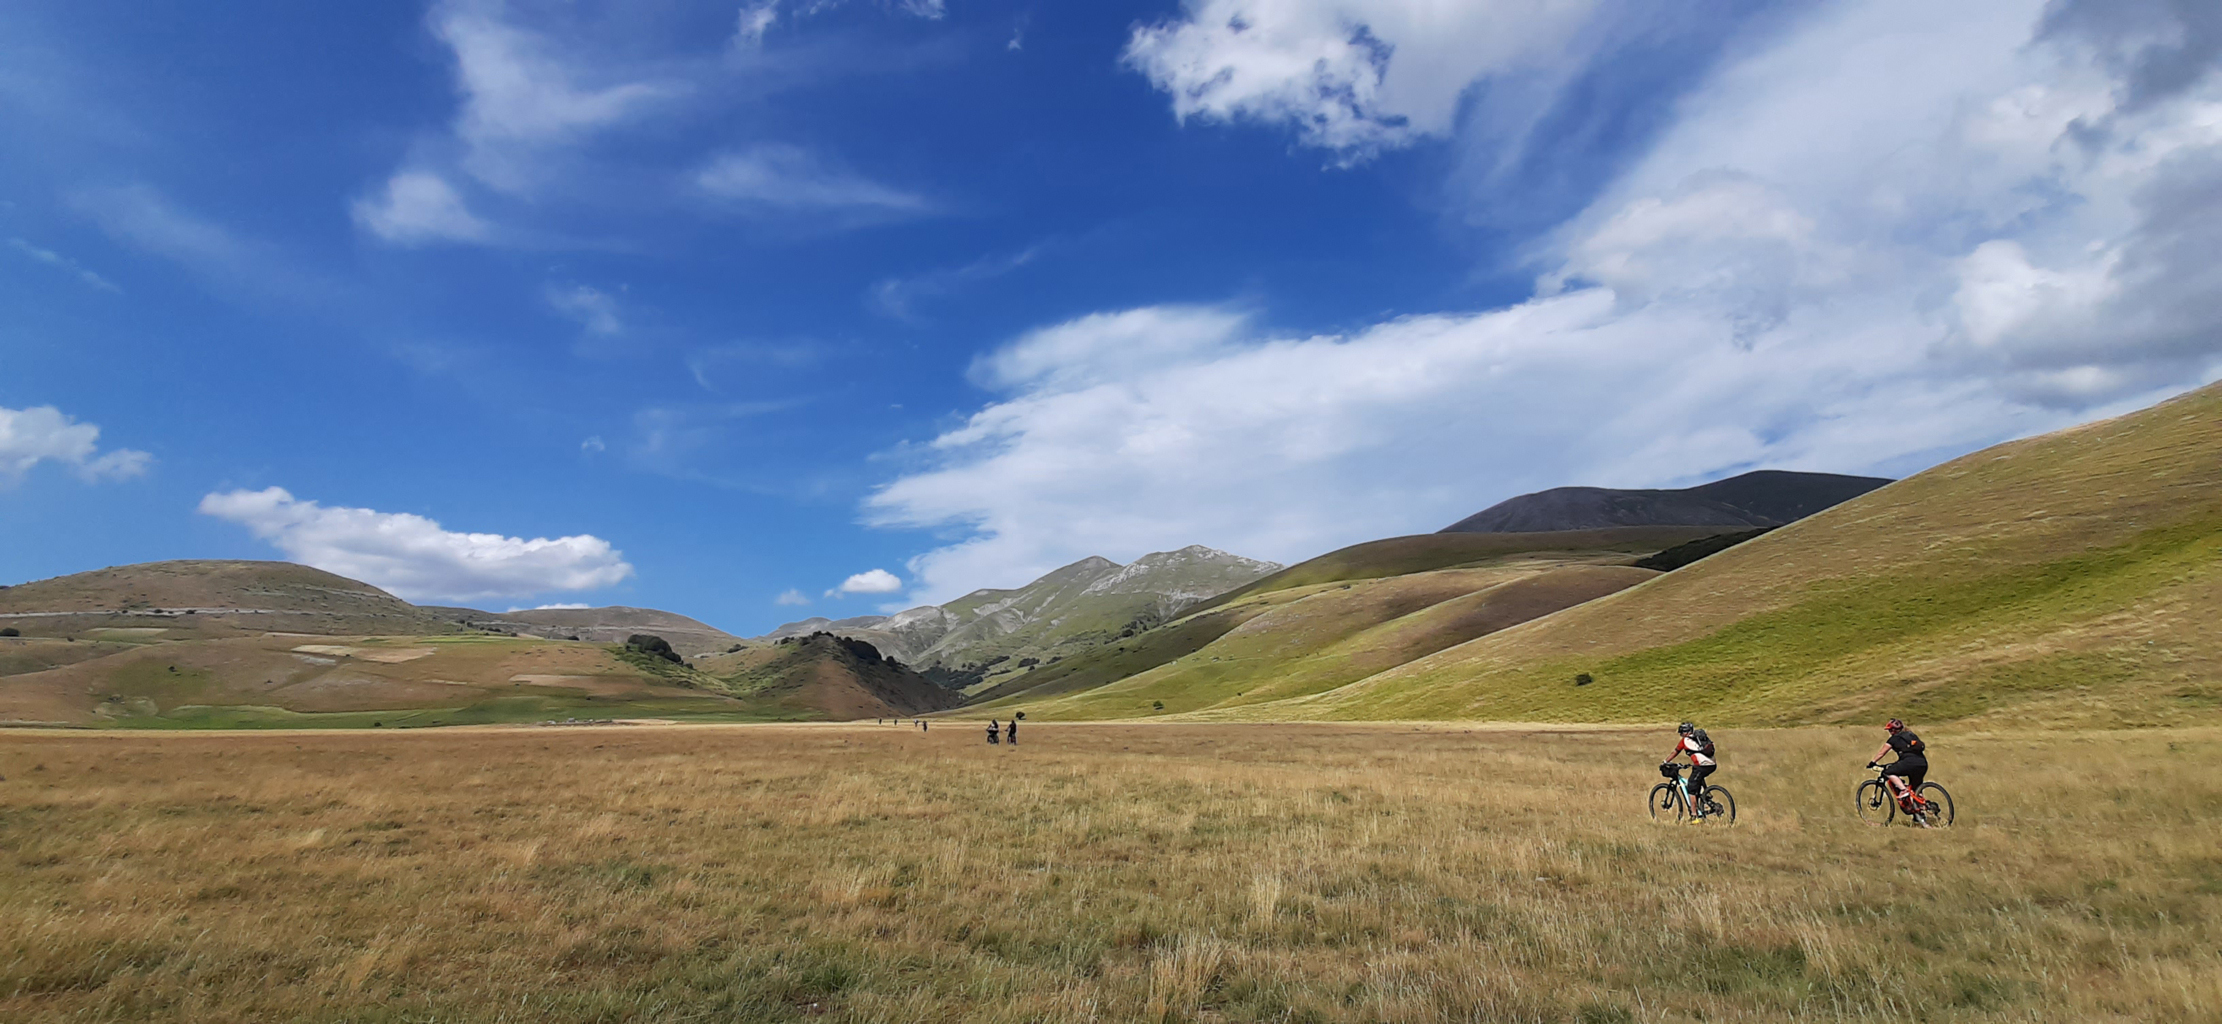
x=2068 y=578
x=989 y=634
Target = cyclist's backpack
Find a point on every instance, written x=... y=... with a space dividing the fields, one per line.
x=1704 y=742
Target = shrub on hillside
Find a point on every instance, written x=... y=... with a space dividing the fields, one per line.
x=653 y=645
x=11 y=631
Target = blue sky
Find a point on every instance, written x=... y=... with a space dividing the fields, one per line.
x=710 y=306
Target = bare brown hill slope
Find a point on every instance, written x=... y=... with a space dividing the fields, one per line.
x=294 y=680
x=211 y=598
x=2073 y=577
x=612 y=625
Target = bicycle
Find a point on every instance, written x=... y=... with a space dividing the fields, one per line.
x=1673 y=799
x=1878 y=805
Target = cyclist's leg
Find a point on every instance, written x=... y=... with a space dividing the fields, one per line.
x=1697 y=782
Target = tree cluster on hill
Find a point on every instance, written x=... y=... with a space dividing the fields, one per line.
x=652 y=645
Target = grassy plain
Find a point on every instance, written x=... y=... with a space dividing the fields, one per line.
x=1107 y=872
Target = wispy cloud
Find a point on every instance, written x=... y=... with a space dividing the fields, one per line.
x=62 y=263
x=44 y=434
x=791 y=596
x=779 y=178
x=594 y=309
x=412 y=557
x=522 y=92
x=898 y=297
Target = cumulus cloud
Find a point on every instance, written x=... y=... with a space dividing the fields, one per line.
x=1354 y=76
x=781 y=178
x=44 y=434
x=419 y=207
x=791 y=596
x=412 y=556
x=876 y=581
x=1898 y=232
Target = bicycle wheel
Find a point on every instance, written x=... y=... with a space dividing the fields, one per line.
x=1666 y=804
x=1940 y=805
x=1723 y=807
x=1875 y=804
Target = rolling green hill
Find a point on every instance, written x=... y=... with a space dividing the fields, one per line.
x=2073 y=577
x=1335 y=619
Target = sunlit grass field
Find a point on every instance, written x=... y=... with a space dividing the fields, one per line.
x=1151 y=872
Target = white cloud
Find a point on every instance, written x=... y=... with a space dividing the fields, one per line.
x=412 y=557
x=568 y=607
x=593 y=308
x=755 y=20
x=1354 y=76
x=143 y=218
x=62 y=263
x=419 y=207
x=593 y=445
x=898 y=297
x=876 y=581
x=43 y=434
x=1900 y=231
x=777 y=177
x=791 y=596
x=523 y=92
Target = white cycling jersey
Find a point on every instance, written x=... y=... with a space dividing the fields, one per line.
x=1696 y=750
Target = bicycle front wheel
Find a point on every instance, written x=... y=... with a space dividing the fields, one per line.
x=1723 y=807
x=1940 y=805
x=1875 y=804
x=1665 y=803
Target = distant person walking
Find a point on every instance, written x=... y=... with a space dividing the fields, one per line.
x=1010 y=731
x=995 y=730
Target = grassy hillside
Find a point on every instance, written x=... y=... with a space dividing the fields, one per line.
x=275 y=680
x=821 y=676
x=2074 y=577
x=612 y=625
x=210 y=598
x=1398 y=556
x=1306 y=639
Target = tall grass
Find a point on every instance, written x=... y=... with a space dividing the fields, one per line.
x=1096 y=872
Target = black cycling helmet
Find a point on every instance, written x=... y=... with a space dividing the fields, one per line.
x=1893 y=725
x=1685 y=728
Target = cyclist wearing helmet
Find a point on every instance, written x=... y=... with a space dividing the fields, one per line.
x=1912 y=764
x=1699 y=746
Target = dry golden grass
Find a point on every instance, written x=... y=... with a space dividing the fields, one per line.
x=1097 y=872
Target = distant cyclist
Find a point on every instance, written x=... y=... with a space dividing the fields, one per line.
x=1912 y=764
x=1699 y=746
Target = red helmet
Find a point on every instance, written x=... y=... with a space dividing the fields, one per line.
x=1893 y=725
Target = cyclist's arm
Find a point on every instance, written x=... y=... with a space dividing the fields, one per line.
x=1879 y=752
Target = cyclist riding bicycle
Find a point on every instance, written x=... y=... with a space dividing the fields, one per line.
x=1699 y=746
x=1911 y=766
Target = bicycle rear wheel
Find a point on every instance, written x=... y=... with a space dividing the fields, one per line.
x=1876 y=807
x=1665 y=803
x=1940 y=805
x=1724 y=805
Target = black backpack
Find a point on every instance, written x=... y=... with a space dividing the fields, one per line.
x=1704 y=742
